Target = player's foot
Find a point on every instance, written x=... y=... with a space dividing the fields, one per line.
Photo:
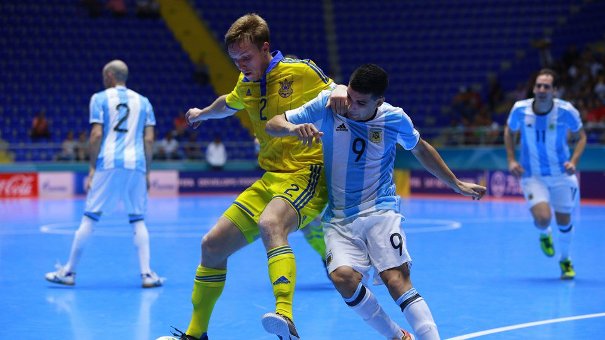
x=179 y=335
x=280 y=325
x=547 y=245
x=61 y=276
x=567 y=272
x=407 y=335
x=151 y=280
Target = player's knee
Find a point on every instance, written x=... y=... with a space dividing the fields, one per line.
x=345 y=280
x=542 y=221
x=212 y=248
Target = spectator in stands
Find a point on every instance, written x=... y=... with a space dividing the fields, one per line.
x=216 y=154
x=40 y=127
x=68 y=148
x=94 y=7
x=168 y=147
x=6 y=156
x=117 y=7
x=148 y=8
x=82 y=147
x=118 y=171
x=180 y=127
x=192 y=147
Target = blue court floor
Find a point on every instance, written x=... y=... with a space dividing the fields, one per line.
x=477 y=264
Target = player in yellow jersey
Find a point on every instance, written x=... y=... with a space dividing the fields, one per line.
x=290 y=193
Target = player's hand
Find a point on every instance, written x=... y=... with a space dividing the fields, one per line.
x=88 y=182
x=338 y=100
x=307 y=133
x=515 y=168
x=473 y=190
x=570 y=168
x=193 y=117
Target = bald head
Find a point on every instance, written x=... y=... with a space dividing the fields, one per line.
x=115 y=73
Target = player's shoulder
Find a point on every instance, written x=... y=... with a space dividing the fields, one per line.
x=389 y=112
x=522 y=104
x=565 y=105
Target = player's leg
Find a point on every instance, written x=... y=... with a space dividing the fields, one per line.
x=135 y=200
x=98 y=198
x=565 y=195
x=218 y=244
x=537 y=196
x=297 y=199
x=348 y=264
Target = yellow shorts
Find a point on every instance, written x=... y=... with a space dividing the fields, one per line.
x=305 y=190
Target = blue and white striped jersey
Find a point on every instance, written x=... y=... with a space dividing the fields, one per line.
x=359 y=157
x=124 y=115
x=544 y=147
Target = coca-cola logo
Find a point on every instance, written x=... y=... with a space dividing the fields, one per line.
x=18 y=186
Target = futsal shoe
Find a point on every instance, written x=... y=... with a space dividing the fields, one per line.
x=61 y=276
x=280 y=325
x=179 y=335
x=151 y=280
x=547 y=245
x=567 y=272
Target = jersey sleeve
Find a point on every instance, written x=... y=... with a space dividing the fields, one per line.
x=515 y=118
x=149 y=114
x=234 y=99
x=96 y=109
x=572 y=119
x=312 y=111
x=408 y=136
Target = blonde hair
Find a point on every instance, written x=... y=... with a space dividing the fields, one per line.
x=250 y=27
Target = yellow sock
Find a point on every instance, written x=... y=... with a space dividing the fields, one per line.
x=207 y=287
x=282 y=272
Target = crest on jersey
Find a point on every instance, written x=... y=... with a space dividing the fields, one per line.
x=375 y=135
x=249 y=93
x=285 y=88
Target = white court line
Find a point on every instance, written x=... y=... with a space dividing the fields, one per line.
x=526 y=325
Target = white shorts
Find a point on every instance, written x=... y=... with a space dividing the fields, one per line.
x=373 y=240
x=109 y=187
x=561 y=192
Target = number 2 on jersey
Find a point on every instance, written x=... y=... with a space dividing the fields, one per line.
x=118 y=127
x=263 y=105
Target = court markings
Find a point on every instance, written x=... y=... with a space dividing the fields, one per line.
x=196 y=227
x=527 y=325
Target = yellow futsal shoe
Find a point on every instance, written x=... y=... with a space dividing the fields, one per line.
x=547 y=245
x=567 y=272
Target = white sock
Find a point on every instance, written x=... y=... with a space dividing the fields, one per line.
x=565 y=236
x=419 y=316
x=364 y=303
x=81 y=237
x=141 y=241
x=546 y=232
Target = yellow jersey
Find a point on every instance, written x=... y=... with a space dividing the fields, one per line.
x=286 y=84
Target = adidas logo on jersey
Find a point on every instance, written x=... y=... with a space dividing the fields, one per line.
x=281 y=280
x=342 y=127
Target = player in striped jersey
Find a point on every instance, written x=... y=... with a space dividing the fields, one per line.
x=363 y=222
x=121 y=142
x=546 y=169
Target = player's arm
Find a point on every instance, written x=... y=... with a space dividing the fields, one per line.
x=148 y=139
x=279 y=126
x=510 y=137
x=432 y=161
x=570 y=166
x=96 y=135
x=217 y=110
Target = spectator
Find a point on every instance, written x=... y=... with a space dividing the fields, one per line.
x=117 y=7
x=68 y=148
x=200 y=73
x=148 y=8
x=5 y=155
x=40 y=127
x=192 y=150
x=168 y=148
x=216 y=155
x=82 y=147
x=180 y=127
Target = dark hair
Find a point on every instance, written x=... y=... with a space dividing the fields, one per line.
x=369 y=78
x=548 y=72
